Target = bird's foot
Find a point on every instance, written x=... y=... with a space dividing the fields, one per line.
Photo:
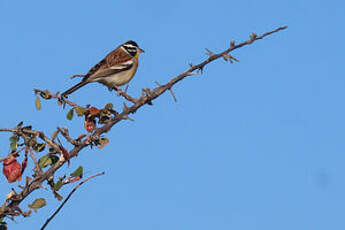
x=62 y=100
x=118 y=90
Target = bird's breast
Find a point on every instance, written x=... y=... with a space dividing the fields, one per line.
x=120 y=78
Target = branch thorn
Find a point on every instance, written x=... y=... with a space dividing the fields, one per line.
x=209 y=52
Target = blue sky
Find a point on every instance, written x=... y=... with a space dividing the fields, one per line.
x=254 y=145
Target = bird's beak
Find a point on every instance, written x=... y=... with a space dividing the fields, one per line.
x=141 y=50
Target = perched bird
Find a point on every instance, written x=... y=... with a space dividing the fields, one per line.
x=116 y=69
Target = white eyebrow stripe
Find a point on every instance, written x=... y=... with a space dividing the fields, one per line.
x=129 y=45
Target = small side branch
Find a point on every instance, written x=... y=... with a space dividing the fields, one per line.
x=171 y=91
x=65 y=133
x=48 y=95
x=68 y=197
x=125 y=95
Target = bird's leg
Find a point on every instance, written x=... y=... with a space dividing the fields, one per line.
x=126 y=88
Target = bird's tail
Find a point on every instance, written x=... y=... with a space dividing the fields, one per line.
x=74 y=88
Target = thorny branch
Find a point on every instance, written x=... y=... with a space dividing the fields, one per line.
x=11 y=207
x=149 y=97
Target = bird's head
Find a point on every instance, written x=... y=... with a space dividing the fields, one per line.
x=132 y=48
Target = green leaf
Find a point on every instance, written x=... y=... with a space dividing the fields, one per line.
x=38 y=103
x=80 y=111
x=13 y=143
x=70 y=114
x=38 y=203
x=14 y=139
x=13 y=146
x=78 y=172
x=39 y=147
x=46 y=160
x=54 y=158
x=32 y=141
x=58 y=185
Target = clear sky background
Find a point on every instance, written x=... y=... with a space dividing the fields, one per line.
x=254 y=145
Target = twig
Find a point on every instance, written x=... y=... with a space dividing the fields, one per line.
x=48 y=95
x=171 y=91
x=23 y=131
x=12 y=154
x=7 y=130
x=126 y=88
x=65 y=133
x=125 y=95
x=41 y=135
x=67 y=198
x=37 y=166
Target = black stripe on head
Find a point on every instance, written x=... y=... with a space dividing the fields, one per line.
x=131 y=47
x=130 y=42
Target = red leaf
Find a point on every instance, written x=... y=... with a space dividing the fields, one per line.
x=65 y=154
x=12 y=169
x=75 y=179
x=90 y=125
x=24 y=163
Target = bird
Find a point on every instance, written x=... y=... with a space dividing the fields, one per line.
x=116 y=69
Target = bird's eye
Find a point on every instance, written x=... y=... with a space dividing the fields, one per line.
x=131 y=49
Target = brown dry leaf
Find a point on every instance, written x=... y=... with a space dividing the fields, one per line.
x=57 y=195
x=38 y=203
x=80 y=111
x=94 y=111
x=10 y=195
x=55 y=134
x=27 y=213
x=38 y=103
x=103 y=142
x=28 y=180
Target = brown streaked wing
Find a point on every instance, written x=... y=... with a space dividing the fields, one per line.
x=96 y=67
x=107 y=72
x=115 y=57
